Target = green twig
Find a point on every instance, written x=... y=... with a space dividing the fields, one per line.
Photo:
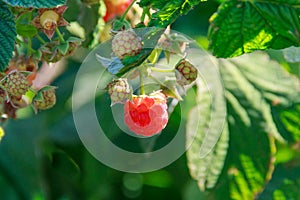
x=127 y=10
x=29 y=43
x=145 y=10
x=60 y=36
x=155 y=69
x=142 y=86
x=40 y=39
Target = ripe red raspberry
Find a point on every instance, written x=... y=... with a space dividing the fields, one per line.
x=186 y=73
x=48 y=101
x=119 y=91
x=126 y=43
x=16 y=84
x=146 y=115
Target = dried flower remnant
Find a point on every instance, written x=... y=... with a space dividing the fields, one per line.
x=49 y=19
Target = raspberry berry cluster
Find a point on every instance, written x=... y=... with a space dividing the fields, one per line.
x=146 y=113
x=16 y=89
x=21 y=83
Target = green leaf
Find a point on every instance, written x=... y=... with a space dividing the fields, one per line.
x=276 y=85
x=292 y=54
x=35 y=3
x=26 y=30
x=278 y=90
x=251 y=124
x=285 y=184
x=242 y=27
x=205 y=170
x=63 y=48
x=291 y=120
x=207 y=126
x=278 y=56
x=288 y=121
x=248 y=95
x=23 y=25
x=7 y=35
x=168 y=11
x=251 y=151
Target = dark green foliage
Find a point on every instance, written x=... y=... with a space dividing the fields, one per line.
x=7 y=35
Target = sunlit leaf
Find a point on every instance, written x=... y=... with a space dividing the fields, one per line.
x=250 y=97
x=207 y=126
x=205 y=170
x=244 y=26
x=276 y=85
x=168 y=11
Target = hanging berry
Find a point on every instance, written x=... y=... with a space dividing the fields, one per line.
x=119 y=91
x=47 y=101
x=16 y=84
x=185 y=72
x=146 y=115
x=126 y=43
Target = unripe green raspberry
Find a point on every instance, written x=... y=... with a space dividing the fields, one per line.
x=16 y=84
x=48 y=101
x=126 y=43
x=186 y=73
x=119 y=91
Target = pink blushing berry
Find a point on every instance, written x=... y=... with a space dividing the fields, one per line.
x=146 y=115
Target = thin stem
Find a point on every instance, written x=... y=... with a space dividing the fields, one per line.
x=127 y=10
x=61 y=38
x=149 y=14
x=145 y=10
x=40 y=39
x=29 y=46
x=1 y=85
x=142 y=86
x=155 y=69
x=25 y=45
